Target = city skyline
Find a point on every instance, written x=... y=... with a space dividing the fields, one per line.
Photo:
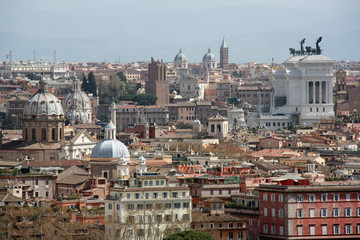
x=133 y=31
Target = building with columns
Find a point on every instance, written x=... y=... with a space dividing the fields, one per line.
x=302 y=93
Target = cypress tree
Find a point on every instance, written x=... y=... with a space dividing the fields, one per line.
x=92 y=84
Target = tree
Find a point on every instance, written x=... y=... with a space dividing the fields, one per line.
x=122 y=76
x=145 y=99
x=8 y=123
x=92 y=84
x=85 y=84
x=190 y=235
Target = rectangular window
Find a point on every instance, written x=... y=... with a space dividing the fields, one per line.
x=128 y=196
x=230 y=225
x=146 y=195
x=265 y=229
x=324 y=229
x=265 y=212
x=348 y=212
x=299 y=213
x=177 y=205
x=312 y=230
x=312 y=212
x=336 y=229
x=300 y=230
x=300 y=198
x=348 y=197
x=156 y=195
x=336 y=197
x=110 y=206
x=324 y=197
x=118 y=207
x=348 y=229
x=273 y=229
x=358 y=228
x=358 y=211
x=273 y=197
x=273 y=212
x=336 y=212
x=358 y=197
x=231 y=235
x=281 y=198
x=281 y=230
x=174 y=194
x=281 y=213
x=323 y=212
x=312 y=198
x=165 y=194
x=264 y=197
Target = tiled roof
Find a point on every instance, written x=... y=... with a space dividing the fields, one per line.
x=214 y=200
x=198 y=217
x=59 y=163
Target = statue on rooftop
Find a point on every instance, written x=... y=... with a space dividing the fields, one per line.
x=309 y=50
x=318 y=49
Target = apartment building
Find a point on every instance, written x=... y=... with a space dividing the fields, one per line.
x=309 y=211
x=127 y=115
x=149 y=208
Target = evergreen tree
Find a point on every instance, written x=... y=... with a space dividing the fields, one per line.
x=84 y=85
x=8 y=123
x=122 y=76
x=92 y=84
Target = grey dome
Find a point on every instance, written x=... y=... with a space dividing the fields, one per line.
x=209 y=56
x=110 y=125
x=110 y=148
x=81 y=98
x=43 y=103
x=196 y=121
x=180 y=57
x=76 y=116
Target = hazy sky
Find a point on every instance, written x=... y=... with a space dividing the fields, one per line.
x=88 y=30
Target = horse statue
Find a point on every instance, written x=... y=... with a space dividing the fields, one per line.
x=292 y=51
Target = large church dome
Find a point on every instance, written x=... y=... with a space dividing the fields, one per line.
x=76 y=116
x=43 y=103
x=110 y=147
x=180 y=57
x=209 y=56
x=81 y=98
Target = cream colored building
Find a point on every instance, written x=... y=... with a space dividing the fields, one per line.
x=149 y=208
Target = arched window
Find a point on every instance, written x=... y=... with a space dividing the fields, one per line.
x=43 y=134
x=26 y=134
x=53 y=134
x=60 y=134
x=212 y=128
x=219 y=128
x=33 y=134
